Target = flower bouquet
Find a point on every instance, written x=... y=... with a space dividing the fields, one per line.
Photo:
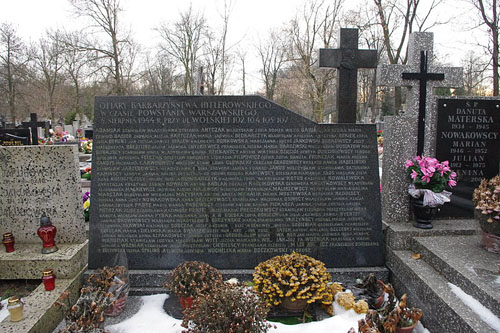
x=86 y=206
x=429 y=179
x=293 y=280
x=486 y=199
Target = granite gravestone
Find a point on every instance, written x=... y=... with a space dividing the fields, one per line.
x=401 y=133
x=468 y=135
x=36 y=180
x=231 y=181
x=347 y=59
x=14 y=137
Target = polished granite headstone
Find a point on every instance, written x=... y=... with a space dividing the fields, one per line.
x=41 y=179
x=468 y=136
x=14 y=136
x=231 y=181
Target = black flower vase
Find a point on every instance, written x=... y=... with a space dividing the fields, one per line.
x=423 y=214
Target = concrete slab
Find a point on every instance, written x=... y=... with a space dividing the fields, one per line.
x=27 y=261
x=399 y=235
x=464 y=263
x=40 y=315
x=443 y=311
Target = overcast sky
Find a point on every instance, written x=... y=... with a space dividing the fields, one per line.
x=249 y=20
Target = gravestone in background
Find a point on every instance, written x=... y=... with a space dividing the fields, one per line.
x=36 y=180
x=231 y=181
x=14 y=137
x=468 y=136
x=347 y=59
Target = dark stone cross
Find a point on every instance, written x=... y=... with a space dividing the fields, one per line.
x=347 y=59
x=33 y=124
x=423 y=77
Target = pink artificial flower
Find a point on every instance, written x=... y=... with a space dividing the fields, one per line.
x=451 y=183
x=414 y=174
x=408 y=164
x=426 y=178
x=428 y=172
x=453 y=175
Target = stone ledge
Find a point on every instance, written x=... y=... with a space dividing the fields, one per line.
x=399 y=236
x=147 y=282
x=40 y=315
x=443 y=311
x=462 y=261
x=27 y=262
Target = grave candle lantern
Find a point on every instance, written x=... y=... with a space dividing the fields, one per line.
x=49 y=279
x=15 y=307
x=47 y=232
x=9 y=241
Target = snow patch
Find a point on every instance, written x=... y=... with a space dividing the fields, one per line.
x=151 y=318
x=4 y=313
x=484 y=313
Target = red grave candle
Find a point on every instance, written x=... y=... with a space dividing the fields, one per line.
x=49 y=279
x=9 y=241
x=47 y=232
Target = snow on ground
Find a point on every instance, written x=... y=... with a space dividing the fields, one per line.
x=484 y=313
x=151 y=318
x=4 y=313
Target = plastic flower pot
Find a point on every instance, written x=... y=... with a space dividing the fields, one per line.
x=299 y=305
x=186 y=302
x=408 y=329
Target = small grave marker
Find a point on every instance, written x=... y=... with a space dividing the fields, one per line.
x=14 y=137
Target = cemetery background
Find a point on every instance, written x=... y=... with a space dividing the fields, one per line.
x=401 y=238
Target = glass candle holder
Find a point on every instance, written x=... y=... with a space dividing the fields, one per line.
x=47 y=232
x=15 y=307
x=49 y=279
x=9 y=241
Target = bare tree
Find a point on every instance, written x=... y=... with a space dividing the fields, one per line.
x=398 y=19
x=183 y=42
x=474 y=73
x=273 y=55
x=77 y=64
x=105 y=17
x=242 y=55
x=490 y=15
x=159 y=77
x=49 y=62
x=13 y=58
x=311 y=29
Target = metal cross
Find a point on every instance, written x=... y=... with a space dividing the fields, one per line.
x=423 y=77
x=33 y=124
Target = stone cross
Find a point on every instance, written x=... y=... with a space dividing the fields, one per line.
x=401 y=131
x=33 y=124
x=347 y=59
x=421 y=77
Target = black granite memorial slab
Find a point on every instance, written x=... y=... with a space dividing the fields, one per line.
x=468 y=133
x=14 y=136
x=231 y=181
